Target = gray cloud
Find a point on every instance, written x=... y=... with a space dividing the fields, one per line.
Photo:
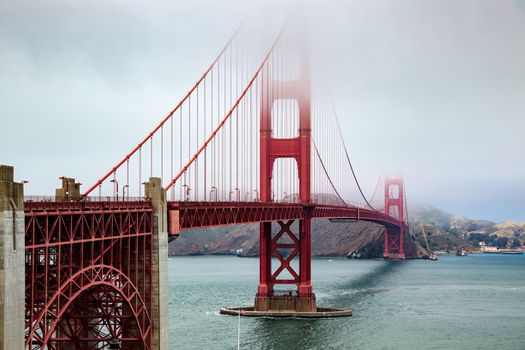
x=433 y=90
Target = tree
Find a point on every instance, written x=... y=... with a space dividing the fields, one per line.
x=501 y=242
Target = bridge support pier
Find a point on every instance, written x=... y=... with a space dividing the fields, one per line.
x=159 y=308
x=285 y=246
x=394 y=245
x=12 y=264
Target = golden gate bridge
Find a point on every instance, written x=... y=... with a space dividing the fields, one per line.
x=253 y=141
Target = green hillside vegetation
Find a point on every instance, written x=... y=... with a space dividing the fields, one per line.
x=448 y=232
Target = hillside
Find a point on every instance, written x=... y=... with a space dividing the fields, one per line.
x=448 y=232
x=348 y=239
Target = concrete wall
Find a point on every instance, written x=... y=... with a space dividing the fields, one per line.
x=70 y=190
x=156 y=193
x=12 y=276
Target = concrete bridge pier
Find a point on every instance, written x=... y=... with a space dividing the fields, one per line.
x=12 y=275
x=157 y=194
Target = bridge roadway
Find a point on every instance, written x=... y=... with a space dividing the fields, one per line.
x=189 y=215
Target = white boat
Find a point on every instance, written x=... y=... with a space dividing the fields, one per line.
x=461 y=252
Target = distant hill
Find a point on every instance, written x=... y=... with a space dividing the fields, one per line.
x=341 y=239
x=447 y=231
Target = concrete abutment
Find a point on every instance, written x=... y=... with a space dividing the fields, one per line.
x=12 y=274
x=159 y=308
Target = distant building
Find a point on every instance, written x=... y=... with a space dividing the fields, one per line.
x=481 y=244
x=489 y=248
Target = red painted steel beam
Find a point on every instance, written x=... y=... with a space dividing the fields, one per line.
x=88 y=253
x=210 y=214
x=200 y=214
x=30 y=206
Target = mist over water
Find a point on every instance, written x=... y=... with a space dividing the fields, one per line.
x=473 y=302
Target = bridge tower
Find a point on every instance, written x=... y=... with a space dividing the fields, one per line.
x=295 y=243
x=394 y=206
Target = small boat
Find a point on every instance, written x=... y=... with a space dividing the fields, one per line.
x=432 y=256
x=461 y=252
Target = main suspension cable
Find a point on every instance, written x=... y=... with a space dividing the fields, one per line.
x=230 y=112
x=171 y=114
x=326 y=173
x=348 y=157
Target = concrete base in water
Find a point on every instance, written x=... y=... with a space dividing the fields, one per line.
x=321 y=312
x=394 y=256
x=286 y=302
x=286 y=305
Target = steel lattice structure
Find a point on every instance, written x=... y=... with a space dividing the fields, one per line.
x=88 y=274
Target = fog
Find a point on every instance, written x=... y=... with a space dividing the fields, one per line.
x=432 y=90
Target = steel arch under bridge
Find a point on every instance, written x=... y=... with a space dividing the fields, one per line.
x=88 y=274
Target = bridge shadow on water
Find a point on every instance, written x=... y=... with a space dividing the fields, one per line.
x=352 y=292
x=297 y=333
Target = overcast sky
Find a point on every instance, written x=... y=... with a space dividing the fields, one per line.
x=433 y=90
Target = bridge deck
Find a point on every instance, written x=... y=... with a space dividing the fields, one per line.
x=189 y=215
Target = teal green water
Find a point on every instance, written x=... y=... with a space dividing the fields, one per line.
x=472 y=302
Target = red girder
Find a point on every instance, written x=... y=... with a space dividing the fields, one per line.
x=88 y=253
x=295 y=247
x=31 y=207
x=208 y=214
x=202 y=214
x=336 y=212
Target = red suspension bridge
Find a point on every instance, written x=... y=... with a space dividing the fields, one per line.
x=253 y=141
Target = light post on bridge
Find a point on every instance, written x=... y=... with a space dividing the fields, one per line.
x=124 y=192
x=115 y=188
x=213 y=190
x=237 y=195
x=187 y=191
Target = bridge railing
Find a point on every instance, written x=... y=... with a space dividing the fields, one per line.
x=45 y=198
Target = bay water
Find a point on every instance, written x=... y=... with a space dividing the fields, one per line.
x=472 y=302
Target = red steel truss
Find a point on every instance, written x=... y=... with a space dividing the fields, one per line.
x=189 y=215
x=88 y=275
x=285 y=246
